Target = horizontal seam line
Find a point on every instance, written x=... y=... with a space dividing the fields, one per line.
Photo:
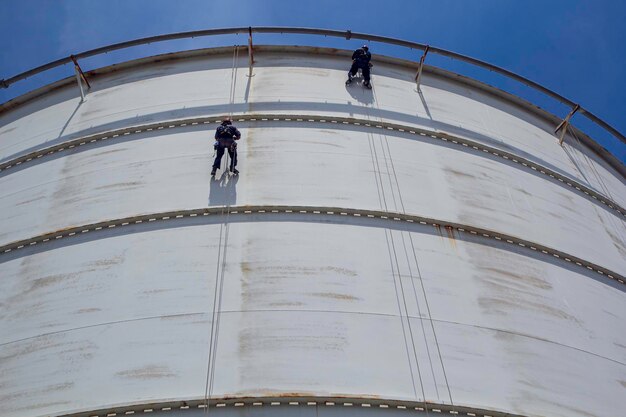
x=502 y=154
x=97 y=325
x=529 y=337
x=307 y=210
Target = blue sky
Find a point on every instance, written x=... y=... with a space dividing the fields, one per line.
x=573 y=47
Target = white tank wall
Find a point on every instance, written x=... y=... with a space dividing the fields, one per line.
x=333 y=307
x=151 y=174
x=185 y=89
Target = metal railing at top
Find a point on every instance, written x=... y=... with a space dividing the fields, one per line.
x=347 y=34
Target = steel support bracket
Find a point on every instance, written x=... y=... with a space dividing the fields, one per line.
x=565 y=123
x=348 y=35
x=250 y=52
x=4 y=84
x=420 y=67
x=80 y=70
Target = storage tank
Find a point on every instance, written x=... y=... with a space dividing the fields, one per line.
x=406 y=250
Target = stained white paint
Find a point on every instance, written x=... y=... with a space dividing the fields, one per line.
x=344 y=308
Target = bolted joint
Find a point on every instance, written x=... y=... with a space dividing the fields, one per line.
x=348 y=35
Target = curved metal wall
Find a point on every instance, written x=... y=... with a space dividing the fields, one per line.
x=379 y=245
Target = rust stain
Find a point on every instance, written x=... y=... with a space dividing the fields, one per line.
x=116 y=260
x=30 y=201
x=88 y=310
x=335 y=296
x=287 y=304
x=451 y=238
x=459 y=173
x=247 y=267
x=291 y=338
x=502 y=306
x=342 y=271
x=269 y=393
x=147 y=372
x=449 y=234
x=128 y=184
x=511 y=278
x=58 y=387
x=74 y=350
x=156 y=291
x=43 y=282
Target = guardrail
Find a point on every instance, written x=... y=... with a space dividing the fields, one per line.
x=347 y=34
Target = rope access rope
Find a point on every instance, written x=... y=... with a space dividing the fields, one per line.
x=394 y=258
x=221 y=257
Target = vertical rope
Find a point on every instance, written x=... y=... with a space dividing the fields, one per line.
x=233 y=80
x=387 y=155
x=595 y=173
x=397 y=183
x=419 y=275
x=213 y=320
x=221 y=261
x=394 y=268
x=393 y=257
x=233 y=91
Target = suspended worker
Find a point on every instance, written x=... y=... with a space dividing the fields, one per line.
x=361 y=60
x=225 y=137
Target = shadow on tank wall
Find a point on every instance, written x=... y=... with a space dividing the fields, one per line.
x=223 y=190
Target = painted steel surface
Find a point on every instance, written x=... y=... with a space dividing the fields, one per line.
x=5 y=83
x=305 y=308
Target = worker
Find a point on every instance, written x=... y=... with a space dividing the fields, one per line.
x=225 y=137
x=361 y=60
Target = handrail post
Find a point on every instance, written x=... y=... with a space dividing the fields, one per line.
x=80 y=84
x=250 y=52
x=420 y=67
x=80 y=76
x=565 y=123
x=79 y=69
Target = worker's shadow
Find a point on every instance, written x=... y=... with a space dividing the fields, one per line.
x=359 y=92
x=223 y=190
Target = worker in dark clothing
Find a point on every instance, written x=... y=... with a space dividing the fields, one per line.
x=361 y=60
x=225 y=137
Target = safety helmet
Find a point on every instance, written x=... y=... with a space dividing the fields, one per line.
x=226 y=122
x=365 y=47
